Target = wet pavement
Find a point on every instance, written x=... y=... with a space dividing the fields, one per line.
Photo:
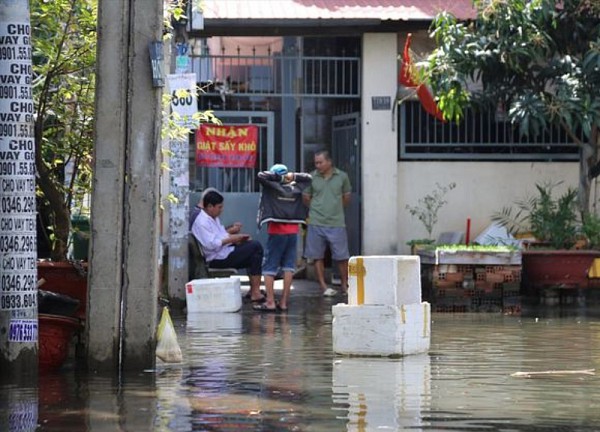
x=277 y=372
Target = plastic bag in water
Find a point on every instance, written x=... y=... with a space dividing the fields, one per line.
x=167 y=347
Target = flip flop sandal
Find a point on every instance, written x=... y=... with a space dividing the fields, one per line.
x=248 y=296
x=263 y=308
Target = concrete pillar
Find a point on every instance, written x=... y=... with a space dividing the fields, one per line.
x=123 y=277
x=379 y=145
x=178 y=214
x=178 y=222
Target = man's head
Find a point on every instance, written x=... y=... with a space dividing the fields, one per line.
x=323 y=162
x=201 y=200
x=212 y=202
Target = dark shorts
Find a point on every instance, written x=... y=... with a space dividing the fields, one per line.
x=280 y=253
x=318 y=237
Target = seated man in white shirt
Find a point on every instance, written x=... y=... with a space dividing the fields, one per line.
x=224 y=249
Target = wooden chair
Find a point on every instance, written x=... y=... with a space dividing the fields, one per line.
x=198 y=267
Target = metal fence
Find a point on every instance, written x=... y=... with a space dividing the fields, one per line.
x=277 y=75
x=479 y=136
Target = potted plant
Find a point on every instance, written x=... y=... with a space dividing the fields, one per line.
x=562 y=252
x=426 y=211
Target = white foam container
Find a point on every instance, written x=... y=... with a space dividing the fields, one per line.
x=381 y=330
x=213 y=295
x=388 y=280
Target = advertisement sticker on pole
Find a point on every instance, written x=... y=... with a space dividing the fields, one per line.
x=182 y=88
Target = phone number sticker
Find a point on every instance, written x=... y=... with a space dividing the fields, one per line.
x=23 y=330
x=18 y=300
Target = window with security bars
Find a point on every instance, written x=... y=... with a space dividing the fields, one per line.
x=478 y=136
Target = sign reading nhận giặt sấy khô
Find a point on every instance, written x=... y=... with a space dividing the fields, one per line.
x=226 y=146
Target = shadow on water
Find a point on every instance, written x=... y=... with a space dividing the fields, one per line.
x=277 y=372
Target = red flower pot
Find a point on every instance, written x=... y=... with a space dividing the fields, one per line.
x=68 y=278
x=557 y=268
x=55 y=334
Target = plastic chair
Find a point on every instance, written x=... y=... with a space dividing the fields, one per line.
x=198 y=266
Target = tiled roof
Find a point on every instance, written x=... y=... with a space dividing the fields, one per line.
x=394 y=10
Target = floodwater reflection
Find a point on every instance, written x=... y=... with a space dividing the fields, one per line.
x=276 y=372
x=382 y=393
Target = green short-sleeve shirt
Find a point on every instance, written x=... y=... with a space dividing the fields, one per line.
x=326 y=205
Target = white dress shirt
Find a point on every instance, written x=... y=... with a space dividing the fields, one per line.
x=210 y=232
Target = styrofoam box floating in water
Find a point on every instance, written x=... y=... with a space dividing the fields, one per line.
x=213 y=295
x=381 y=330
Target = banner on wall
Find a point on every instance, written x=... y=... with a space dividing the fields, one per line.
x=226 y=146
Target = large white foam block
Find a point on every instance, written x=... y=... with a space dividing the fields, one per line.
x=213 y=295
x=386 y=280
x=381 y=330
x=383 y=393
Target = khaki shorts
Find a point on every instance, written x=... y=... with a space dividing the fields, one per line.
x=319 y=237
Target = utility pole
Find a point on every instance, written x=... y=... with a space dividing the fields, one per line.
x=179 y=185
x=18 y=243
x=124 y=278
x=18 y=246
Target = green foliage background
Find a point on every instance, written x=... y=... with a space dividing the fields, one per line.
x=538 y=61
x=64 y=58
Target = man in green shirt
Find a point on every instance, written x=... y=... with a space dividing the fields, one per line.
x=326 y=197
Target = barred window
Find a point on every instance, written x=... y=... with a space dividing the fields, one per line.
x=478 y=136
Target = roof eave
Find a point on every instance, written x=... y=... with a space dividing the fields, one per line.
x=298 y=27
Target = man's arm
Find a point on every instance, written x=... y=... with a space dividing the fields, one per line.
x=301 y=177
x=268 y=179
x=306 y=199
x=346 y=190
x=346 y=199
x=213 y=239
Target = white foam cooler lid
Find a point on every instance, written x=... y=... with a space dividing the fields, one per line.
x=212 y=281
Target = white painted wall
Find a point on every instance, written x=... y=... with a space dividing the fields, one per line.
x=379 y=146
x=482 y=188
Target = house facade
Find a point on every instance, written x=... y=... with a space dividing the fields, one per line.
x=323 y=74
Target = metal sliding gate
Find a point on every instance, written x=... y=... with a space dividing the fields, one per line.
x=345 y=151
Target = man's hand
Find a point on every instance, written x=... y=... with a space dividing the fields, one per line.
x=239 y=238
x=234 y=228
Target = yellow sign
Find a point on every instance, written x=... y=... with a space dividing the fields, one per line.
x=594 y=271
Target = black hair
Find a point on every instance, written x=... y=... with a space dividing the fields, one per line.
x=324 y=153
x=212 y=198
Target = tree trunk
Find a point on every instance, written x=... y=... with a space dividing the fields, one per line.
x=60 y=213
x=589 y=165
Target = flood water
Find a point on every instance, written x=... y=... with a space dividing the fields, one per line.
x=276 y=372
